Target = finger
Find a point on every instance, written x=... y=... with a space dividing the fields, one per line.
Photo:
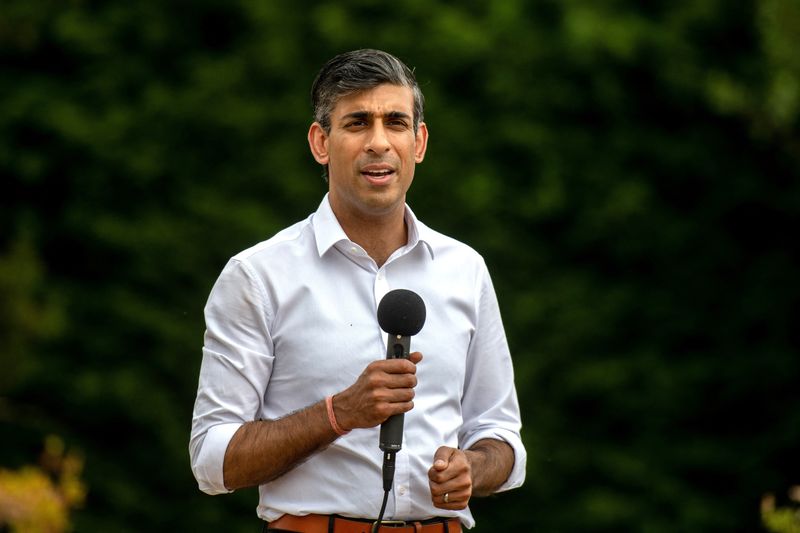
x=398 y=395
x=415 y=357
x=441 y=459
x=395 y=366
x=402 y=381
x=453 y=500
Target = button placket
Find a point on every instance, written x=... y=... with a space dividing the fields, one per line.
x=402 y=478
x=381 y=285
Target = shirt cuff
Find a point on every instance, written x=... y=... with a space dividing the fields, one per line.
x=517 y=475
x=207 y=466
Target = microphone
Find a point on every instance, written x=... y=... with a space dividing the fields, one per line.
x=401 y=314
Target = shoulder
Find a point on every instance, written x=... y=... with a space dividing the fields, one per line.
x=448 y=248
x=295 y=240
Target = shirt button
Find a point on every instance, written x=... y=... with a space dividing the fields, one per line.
x=401 y=490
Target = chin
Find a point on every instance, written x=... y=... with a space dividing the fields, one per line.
x=382 y=204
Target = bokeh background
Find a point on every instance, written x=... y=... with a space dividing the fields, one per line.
x=628 y=169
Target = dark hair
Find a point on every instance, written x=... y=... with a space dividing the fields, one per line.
x=356 y=71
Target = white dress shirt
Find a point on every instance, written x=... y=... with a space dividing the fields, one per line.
x=293 y=319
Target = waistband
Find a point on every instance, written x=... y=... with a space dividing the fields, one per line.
x=316 y=523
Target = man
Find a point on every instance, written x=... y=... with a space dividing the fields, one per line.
x=294 y=383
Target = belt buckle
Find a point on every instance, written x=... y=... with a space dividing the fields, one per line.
x=391 y=523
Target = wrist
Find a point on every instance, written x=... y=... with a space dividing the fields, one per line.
x=491 y=462
x=332 y=420
x=476 y=459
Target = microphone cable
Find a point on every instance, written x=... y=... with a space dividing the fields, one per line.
x=388 y=480
x=377 y=524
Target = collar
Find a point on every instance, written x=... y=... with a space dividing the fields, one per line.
x=328 y=232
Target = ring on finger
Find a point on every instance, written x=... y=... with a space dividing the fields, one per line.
x=446 y=497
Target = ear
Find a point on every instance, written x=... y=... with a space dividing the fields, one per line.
x=421 y=142
x=318 y=142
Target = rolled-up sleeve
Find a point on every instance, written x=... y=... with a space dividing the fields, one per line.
x=236 y=367
x=490 y=408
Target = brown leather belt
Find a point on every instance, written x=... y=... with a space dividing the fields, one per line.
x=317 y=523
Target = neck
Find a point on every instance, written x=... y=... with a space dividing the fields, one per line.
x=379 y=236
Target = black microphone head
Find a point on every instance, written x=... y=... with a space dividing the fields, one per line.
x=401 y=312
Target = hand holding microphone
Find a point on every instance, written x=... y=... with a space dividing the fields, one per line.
x=386 y=387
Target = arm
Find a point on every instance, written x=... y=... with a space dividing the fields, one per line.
x=490 y=462
x=230 y=450
x=478 y=471
x=494 y=457
x=264 y=450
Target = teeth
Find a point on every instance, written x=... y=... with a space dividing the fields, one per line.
x=378 y=172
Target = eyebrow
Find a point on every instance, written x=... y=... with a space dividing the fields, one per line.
x=361 y=115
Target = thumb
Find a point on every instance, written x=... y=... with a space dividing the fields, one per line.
x=441 y=459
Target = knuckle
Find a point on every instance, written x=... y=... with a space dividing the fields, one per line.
x=376 y=400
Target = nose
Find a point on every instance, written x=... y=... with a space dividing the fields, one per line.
x=377 y=141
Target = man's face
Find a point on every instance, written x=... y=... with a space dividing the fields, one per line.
x=371 y=151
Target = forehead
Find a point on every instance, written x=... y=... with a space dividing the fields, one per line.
x=380 y=100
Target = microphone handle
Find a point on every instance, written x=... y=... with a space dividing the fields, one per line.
x=391 y=439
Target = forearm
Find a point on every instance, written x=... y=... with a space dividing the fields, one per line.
x=491 y=462
x=264 y=450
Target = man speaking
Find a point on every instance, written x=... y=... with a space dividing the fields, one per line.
x=297 y=378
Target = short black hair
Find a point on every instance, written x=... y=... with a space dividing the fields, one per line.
x=356 y=71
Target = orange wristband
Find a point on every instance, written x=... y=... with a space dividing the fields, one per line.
x=332 y=417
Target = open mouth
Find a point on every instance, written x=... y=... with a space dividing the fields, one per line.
x=377 y=175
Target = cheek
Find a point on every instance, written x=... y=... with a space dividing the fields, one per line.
x=335 y=157
x=344 y=153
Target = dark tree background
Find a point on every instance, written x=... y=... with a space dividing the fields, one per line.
x=629 y=171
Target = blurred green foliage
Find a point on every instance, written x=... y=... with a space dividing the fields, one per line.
x=629 y=170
